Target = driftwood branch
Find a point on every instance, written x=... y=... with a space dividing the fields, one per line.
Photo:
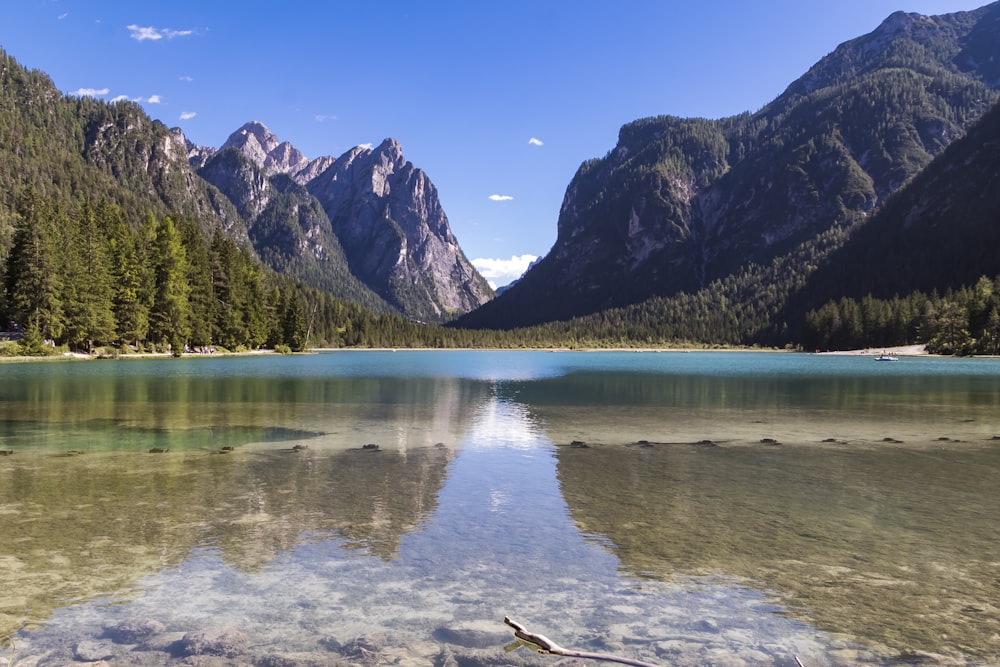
x=542 y=644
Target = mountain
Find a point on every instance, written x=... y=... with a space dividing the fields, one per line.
x=367 y=226
x=681 y=204
x=388 y=217
x=940 y=231
x=72 y=147
x=261 y=192
x=286 y=226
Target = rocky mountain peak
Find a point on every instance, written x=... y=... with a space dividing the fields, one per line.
x=284 y=159
x=262 y=147
x=370 y=207
x=390 y=149
x=898 y=22
x=255 y=134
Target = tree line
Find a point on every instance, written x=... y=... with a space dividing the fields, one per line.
x=87 y=278
x=960 y=322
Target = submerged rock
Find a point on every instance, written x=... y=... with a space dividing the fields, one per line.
x=94 y=651
x=133 y=631
x=473 y=634
x=225 y=642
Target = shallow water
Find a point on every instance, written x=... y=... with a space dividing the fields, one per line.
x=728 y=508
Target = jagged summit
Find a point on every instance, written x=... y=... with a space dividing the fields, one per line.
x=262 y=147
x=252 y=136
x=370 y=209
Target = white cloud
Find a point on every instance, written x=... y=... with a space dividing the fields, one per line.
x=119 y=98
x=367 y=147
x=503 y=271
x=188 y=115
x=91 y=92
x=185 y=79
x=321 y=117
x=536 y=142
x=63 y=15
x=500 y=197
x=154 y=99
x=142 y=33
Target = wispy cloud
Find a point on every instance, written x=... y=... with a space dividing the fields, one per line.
x=142 y=33
x=500 y=197
x=536 y=142
x=91 y=92
x=503 y=271
x=367 y=147
x=323 y=117
x=188 y=115
x=152 y=99
x=185 y=79
x=63 y=15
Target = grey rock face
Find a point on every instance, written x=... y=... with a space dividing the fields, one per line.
x=384 y=214
x=389 y=219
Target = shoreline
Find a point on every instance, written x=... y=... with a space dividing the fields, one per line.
x=898 y=351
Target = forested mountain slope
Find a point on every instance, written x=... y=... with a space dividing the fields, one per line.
x=684 y=205
x=68 y=149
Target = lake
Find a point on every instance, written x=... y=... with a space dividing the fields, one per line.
x=379 y=507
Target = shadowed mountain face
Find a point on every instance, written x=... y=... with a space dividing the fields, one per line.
x=679 y=203
x=940 y=231
x=367 y=226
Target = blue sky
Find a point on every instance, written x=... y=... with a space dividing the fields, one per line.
x=498 y=103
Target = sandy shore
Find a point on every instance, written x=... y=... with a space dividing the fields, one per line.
x=900 y=351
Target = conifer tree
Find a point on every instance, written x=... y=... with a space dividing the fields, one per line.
x=88 y=294
x=201 y=298
x=170 y=316
x=293 y=323
x=131 y=276
x=33 y=276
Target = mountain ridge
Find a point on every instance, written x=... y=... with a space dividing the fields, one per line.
x=379 y=235
x=679 y=203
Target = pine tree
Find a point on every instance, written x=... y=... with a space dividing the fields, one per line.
x=131 y=276
x=293 y=324
x=170 y=316
x=88 y=294
x=34 y=275
x=201 y=298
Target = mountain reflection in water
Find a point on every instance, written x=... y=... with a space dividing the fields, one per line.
x=476 y=506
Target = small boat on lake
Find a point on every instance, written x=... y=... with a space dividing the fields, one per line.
x=885 y=356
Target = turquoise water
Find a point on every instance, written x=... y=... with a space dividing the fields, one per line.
x=728 y=508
